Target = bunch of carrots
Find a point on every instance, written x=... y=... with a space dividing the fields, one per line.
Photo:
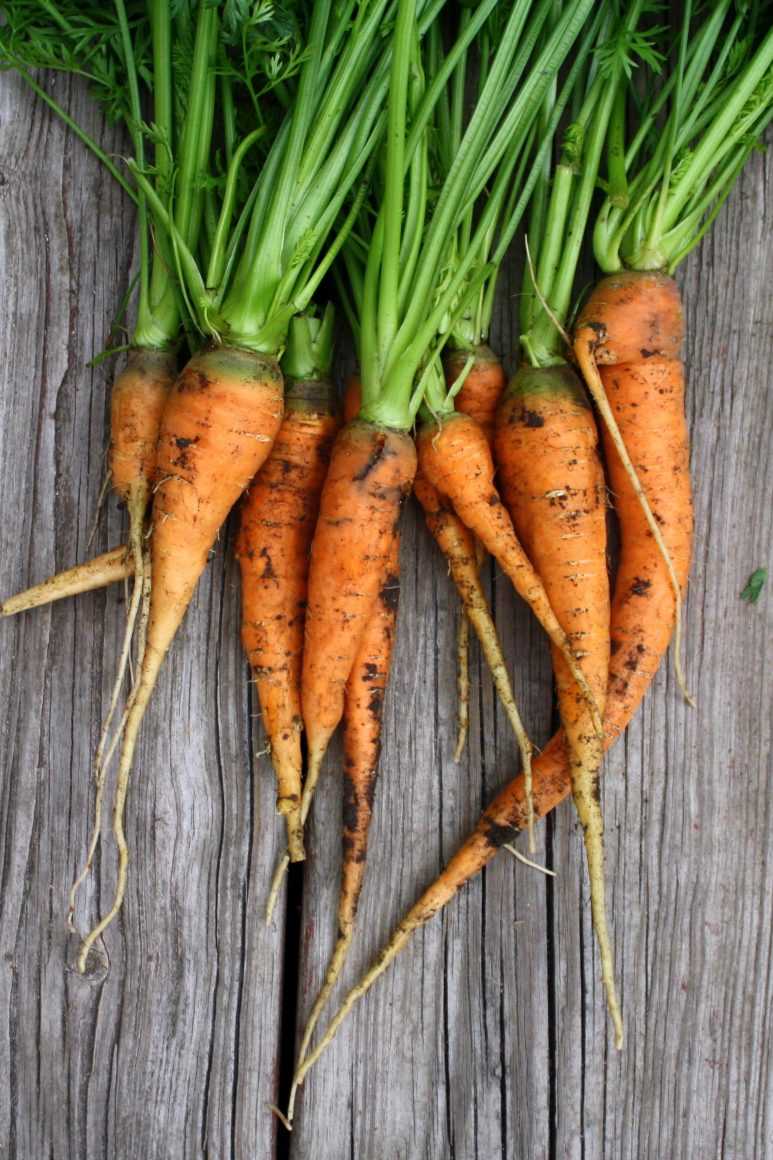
x=385 y=154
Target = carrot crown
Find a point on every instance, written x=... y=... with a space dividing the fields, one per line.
x=309 y=350
x=693 y=137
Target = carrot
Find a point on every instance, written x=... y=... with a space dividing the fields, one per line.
x=457 y=461
x=217 y=429
x=363 y=712
x=371 y=473
x=278 y=516
x=478 y=396
x=101 y=571
x=459 y=548
x=482 y=388
x=553 y=485
x=643 y=616
x=631 y=318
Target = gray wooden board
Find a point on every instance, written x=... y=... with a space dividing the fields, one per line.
x=489 y=1037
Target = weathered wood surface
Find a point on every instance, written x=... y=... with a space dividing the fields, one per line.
x=489 y=1036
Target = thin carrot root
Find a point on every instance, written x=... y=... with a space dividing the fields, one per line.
x=104 y=489
x=589 y=813
x=314 y=767
x=462 y=554
x=462 y=685
x=519 y=857
x=337 y=960
x=109 y=568
x=217 y=429
x=385 y=959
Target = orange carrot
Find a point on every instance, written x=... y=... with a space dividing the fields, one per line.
x=553 y=485
x=217 y=429
x=633 y=321
x=478 y=397
x=100 y=572
x=371 y=473
x=278 y=516
x=482 y=388
x=459 y=548
x=646 y=396
x=457 y=460
x=363 y=712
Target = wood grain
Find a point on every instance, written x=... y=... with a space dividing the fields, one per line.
x=489 y=1037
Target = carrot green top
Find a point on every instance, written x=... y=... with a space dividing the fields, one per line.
x=405 y=294
x=561 y=203
x=693 y=135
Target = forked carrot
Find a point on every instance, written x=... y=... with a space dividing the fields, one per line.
x=217 y=429
x=278 y=516
x=630 y=319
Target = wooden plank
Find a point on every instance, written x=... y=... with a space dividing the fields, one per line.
x=489 y=1037
x=174 y=1052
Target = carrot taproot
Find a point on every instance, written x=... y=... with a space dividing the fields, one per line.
x=484 y=381
x=218 y=426
x=648 y=404
x=552 y=482
x=632 y=318
x=277 y=521
x=99 y=572
x=371 y=473
x=456 y=459
x=460 y=550
x=362 y=720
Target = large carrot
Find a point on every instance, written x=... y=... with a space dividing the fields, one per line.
x=546 y=450
x=553 y=485
x=278 y=516
x=363 y=712
x=216 y=431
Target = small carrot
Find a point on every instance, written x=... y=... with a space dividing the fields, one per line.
x=100 y=572
x=459 y=548
x=278 y=516
x=363 y=712
x=484 y=381
x=217 y=429
x=483 y=385
x=457 y=461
